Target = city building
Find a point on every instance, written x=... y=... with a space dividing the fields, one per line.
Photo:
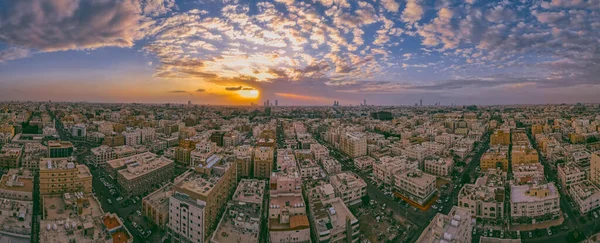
x=569 y=174
x=136 y=174
x=78 y=131
x=263 y=162
x=155 y=206
x=10 y=155
x=288 y=220
x=349 y=187
x=385 y=169
x=17 y=184
x=485 y=199
x=534 y=203
x=331 y=220
x=494 y=160
x=186 y=219
x=528 y=173
x=417 y=152
x=308 y=167
x=59 y=175
x=364 y=162
x=456 y=227
x=500 y=137
x=319 y=151
x=354 y=144
x=59 y=149
x=438 y=166
x=241 y=222
x=586 y=196
x=415 y=185
x=595 y=168
x=331 y=166
x=524 y=155
x=100 y=155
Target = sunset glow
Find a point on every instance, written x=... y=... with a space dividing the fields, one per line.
x=248 y=94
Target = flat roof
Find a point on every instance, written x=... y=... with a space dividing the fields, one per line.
x=139 y=164
x=250 y=191
x=519 y=193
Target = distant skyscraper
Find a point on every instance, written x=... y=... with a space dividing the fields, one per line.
x=365 y=102
x=421 y=102
x=268 y=103
x=189 y=103
x=276 y=103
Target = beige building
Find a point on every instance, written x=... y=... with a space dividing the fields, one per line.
x=385 y=169
x=528 y=173
x=319 y=151
x=331 y=166
x=288 y=221
x=331 y=220
x=212 y=184
x=17 y=184
x=136 y=174
x=534 y=203
x=10 y=155
x=586 y=196
x=595 y=168
x=417 y=152
x=364 y=162
x=438 y=166
x=349 y=187
x=155 y=206
x=59 y=175
x=263 y=162
x=415 y=185
x=569 y=174
x=456 y=227
x=59 y=149
x=493 y=160
x=485 y=199
x=524 y=155
x=354 y=144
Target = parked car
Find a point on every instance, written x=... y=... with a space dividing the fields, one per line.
x=109 y=201
x=138 y=213
x=530 y=234
x=134 y=224
x=549 y=231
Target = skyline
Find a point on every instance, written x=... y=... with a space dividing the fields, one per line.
x=301 y=52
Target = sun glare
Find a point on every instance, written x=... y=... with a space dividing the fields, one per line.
x=248 y=94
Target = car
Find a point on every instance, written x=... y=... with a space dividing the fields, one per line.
x=415 y=209
x=109 y=201
x=485 y=233
x=595 y=215
x=549 y=231
x=134 y=224
x=438 y=201
x=138 y=213
x=566 y=216
x=502 y=234
x=149 y=232
x=434 y=207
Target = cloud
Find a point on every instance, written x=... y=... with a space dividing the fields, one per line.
x=413 y=12
x=200 y=90
x=390 y=5
x=178 y=91
x=238 y=88
x=57 y=25
x=303 y=97
x=13 y=53
x=157 y=7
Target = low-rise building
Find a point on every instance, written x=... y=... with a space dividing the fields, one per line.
x=186 y=219
x=10 y=155
x=438 y=166
x=569 y=174
x=16 y=219
x=288 y=221
x=485 y=199
x=319 y=151
x=493 y=160
x=60 y=175
x=534 y=203
x=155 y=206
x=59 y=149
x=263 y=162
x=331 y=166
x=136 y=173
x=456 y=227
x=528 y=173
x=349 y=187
x=415 y=185
x=331 y=220
x=524 y=155
x=586 y=196
x=364 y=162
x=17 y=184
x=385 y=169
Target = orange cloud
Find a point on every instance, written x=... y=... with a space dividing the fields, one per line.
x=302 y=97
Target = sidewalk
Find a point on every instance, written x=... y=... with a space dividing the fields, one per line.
x=543 y=225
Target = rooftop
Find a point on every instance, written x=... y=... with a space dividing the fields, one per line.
x=159 y=199
x=570 y=168
x=444 y=228
x=533 y=193
x=347 y=180
x=250 y=191
x=583 y=190
x=138 y=165
x=418 y=177
x=17 y=180
x=239 y=224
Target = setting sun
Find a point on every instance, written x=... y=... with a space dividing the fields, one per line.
x=248 y=94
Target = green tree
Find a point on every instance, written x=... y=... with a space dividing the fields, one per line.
x=365 y=200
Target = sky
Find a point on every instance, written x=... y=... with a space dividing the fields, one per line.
x=301 y=52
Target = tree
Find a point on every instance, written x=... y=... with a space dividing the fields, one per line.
x=591 y=140
x=365 y=200
x=575 y=236
x=466 y=178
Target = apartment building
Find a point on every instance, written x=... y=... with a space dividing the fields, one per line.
x=528 y=173
x=155 y=206
x=438 y=166
x=524 y=155
x=500 y=137
x=364 y=162
x=132 y=138
x=135 y=174
x=417 y=152
x=308 y=168
x=319 y=151
x=349 y=187
x=569 y=174
x=288 y=221
x=59 y=149
x=493 y=160
x=485 y=199
x=585 y=195
x=10 y=155
x=385 y=169
x=17 y=184
x=102 y=154
x=534 y=203
x=263 y=162
x=241 y=222
x=415 y=185
x=434 y=148
x=456 y=227
x=186 y=219
x=331 y=166
x=595 y=168
x=331 y=220
x=211 y=185
x=59 y=175
x=354 y=144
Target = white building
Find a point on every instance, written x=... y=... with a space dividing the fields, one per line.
x=331 y=220
x=534 y=202
x=438 y=166
x=569 y=174
x=385 y=169
x=528 y=173
x=332 y=166
x=319 y=151
x=417 y=152
x=186 y=219
x=364 y=162
x=456 y=227
x=485 y=199
x=147 y=135
x=586 y=195
x=132 y=137
x=78 y=131
x=100 y=155
x=349 y=187
x=415 y=185
x=354 y=144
